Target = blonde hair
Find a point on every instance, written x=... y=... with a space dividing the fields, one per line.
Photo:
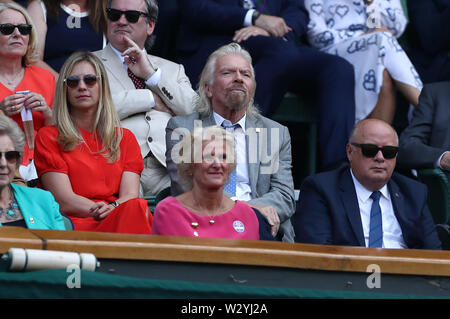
x=190 y=153
x=32 y=54
x=106 y=124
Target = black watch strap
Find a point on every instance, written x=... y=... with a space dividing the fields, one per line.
x=114 y=203
x=255 y=16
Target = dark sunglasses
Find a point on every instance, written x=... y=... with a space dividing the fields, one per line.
x=88 y=79
x=132 y=16
x=10 y=156
x=370 y=150
x=8 y=28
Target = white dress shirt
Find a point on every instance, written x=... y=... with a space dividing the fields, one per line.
x=248 y=4
x=392 y=233
x=243 y=190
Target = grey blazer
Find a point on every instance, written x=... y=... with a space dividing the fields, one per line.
x=427 y=137
x=270 y=177
x=133 y=106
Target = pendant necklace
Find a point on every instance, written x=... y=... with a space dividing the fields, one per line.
x=13 y=81
x=12 y=211
x=96 y=145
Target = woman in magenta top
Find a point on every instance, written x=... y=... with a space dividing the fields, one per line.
x=203 y=210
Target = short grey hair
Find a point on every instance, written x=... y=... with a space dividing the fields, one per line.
x=197 y=137
x=9 y=127
x=152 y=11
x=203 y=103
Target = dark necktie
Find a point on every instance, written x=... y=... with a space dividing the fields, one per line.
x=138 y=82
x=376 y=225
x=230 y=187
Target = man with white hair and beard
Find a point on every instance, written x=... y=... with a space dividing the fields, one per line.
x=263 y=175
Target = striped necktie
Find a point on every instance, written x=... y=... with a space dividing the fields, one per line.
x=376 y=225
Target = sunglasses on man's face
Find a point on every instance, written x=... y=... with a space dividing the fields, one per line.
x=8 y=28
x=132 y=16
x=89 y=79
x=10 y=156
x=370 y=150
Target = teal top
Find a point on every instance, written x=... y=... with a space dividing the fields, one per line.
x=38 y=207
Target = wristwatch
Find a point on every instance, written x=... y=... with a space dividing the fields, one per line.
x=114 y=203
x=255 y=16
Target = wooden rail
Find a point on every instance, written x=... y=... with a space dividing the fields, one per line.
x=228 y=251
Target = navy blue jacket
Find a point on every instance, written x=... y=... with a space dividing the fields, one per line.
x=429 y=31
x=211 y=22
x=328 y=211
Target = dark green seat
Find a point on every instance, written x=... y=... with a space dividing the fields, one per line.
x=438 y=193
x=152 y=201
x=295 y=110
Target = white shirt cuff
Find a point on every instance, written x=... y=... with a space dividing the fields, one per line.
x=154 y=79
x=248 y=18
x=438 y=163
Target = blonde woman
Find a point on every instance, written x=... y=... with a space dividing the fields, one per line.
x=207 y=157
x=23 y=85
x=86 y=160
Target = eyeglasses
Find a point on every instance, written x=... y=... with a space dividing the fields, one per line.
x=132 y=16
x=89 y=79
x=8 y=28
x=10 y=156
x=370 y=150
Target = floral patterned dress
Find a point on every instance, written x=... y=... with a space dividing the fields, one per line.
x=342 y=27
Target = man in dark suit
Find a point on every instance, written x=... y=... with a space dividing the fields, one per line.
x=271 y=32
x=366 y=204
x=429 y=33
x=425 y=143
x=263 y=147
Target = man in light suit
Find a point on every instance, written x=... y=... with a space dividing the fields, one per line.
x=263 y=173
x=162 y=88
x=425 y=143
x=366 y=204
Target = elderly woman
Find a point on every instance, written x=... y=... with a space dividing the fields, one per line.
x=206 y=161
x=90 y=164
x=18 y=51
x=19 y=205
